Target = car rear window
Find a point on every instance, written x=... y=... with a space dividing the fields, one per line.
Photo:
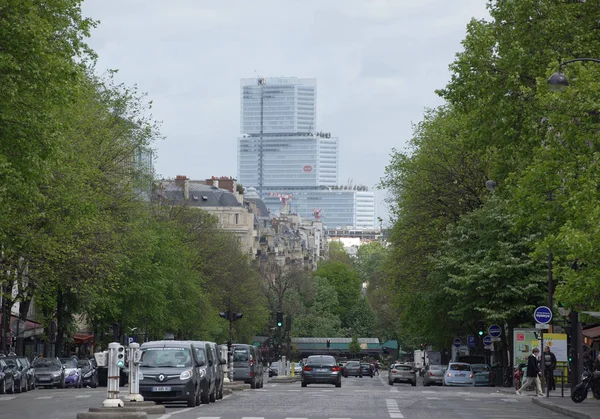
x=321 y=360
x=352 y=364
x=460 y=367
x=240 y=355
x=402 y=367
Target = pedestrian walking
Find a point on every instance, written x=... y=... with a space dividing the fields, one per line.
x=549 y=366
x=533 y=374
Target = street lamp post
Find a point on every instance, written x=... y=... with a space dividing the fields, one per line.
x=558 y=82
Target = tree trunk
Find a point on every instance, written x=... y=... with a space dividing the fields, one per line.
x=59 y=323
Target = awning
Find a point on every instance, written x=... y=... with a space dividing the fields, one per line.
x=592 y=332
x=82 y=338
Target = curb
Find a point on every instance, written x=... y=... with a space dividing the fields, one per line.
x=150 y=410
x=112 y=415
x=562 y=410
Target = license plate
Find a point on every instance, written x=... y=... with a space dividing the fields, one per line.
x=161 y=388
x=460 y=375
x=321 y=370
x=43 y=379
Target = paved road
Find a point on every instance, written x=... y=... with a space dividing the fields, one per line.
x=357 y=398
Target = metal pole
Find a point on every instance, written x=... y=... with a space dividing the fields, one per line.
x=134 y=354
x=112 y=385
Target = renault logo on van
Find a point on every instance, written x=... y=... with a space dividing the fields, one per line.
x=161 y=378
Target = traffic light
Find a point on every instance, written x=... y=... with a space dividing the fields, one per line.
x=481 y=328
x=120 y=361
x=279 y=319
x=328 y=343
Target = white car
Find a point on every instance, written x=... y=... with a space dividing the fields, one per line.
x=459 y=374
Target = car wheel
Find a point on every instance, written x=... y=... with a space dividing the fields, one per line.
x=11 y=390
x=3 y=388
x=94 y=382
x=198 y=401
x=303 y=384
x=213 y=395
x=18 y=389
x=253 y=382
x=414 y=383
x=338 y=383
x=191 y=400
x=425 y=383
x=204 y=396
x=390 y=382
x=26 y=388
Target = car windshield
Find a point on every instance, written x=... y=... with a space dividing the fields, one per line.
x=11 y=362
x=84 y=364
x=46 y=363
x=460 y=367
x=403 y=367
x=24 y=361
x=352 y=364
x=166 y=357
x=68 y=362
x=274 y=364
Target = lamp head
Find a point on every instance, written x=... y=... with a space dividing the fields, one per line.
x=558 y=82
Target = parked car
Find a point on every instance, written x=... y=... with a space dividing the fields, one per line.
x=353 y=369
x=402 y=373
x=19 y=375
x=72 y=372
x=434 y=374
x=459 y=374
x=89 y=372
x=29 y=372
x=220 y=362
x=207 y=359
x=7 y=381
x=247 y=365
x=484 y=376
x=49 y=372
x=367 y=369
x=321 y=369
x=298 y=368
x=274 y=369
x=171 y=372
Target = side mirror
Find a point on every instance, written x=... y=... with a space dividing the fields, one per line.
x=222 y=361
x=201 y=363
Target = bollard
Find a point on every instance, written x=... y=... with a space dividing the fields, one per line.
x=134 y=354
x=115 y=362
x=283 y=366
x=293 y=372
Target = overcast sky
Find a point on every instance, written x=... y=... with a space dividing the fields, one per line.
x=377 y=64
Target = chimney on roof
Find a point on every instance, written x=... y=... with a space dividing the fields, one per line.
x=184 y=183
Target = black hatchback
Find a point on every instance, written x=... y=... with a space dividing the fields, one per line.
x=321 y=369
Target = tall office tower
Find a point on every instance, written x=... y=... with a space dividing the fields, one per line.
x=280 y=152
x=278 y=105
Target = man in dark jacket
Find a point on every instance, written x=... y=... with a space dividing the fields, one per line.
x=549 y=360
x=533 y=374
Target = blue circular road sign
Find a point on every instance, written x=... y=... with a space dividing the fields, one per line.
x=457 y=342
x=487 y=340
x=495 y=331
x=542 y=314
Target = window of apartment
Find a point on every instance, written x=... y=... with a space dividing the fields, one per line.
x=236 y=218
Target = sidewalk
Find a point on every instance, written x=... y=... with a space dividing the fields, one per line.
x=588 y=409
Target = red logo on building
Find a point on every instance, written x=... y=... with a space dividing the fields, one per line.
x=307 y=168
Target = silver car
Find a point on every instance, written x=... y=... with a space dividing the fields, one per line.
x=459 y=374
x=402 y=373
x=434 y=374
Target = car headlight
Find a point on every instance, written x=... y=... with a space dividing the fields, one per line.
x=185 y=375
x=56 y=374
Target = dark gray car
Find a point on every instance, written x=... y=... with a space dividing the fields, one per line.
x=207 y=357
x=49 y=372
x=247 y=365
x=171 y=371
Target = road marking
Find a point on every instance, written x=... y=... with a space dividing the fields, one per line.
x=209 y=417
x=168 y=415
x=84 y=396
x=433 y=398
x=429 y=392
x=294 y=390
x=253 y=417
x=8 y=397
x=393 y=390
x=44 y=397
x=393 y=409
x=509 y=400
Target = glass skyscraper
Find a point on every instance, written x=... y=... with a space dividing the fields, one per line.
x=281 y=152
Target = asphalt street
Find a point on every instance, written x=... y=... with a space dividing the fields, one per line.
x=357 y=398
